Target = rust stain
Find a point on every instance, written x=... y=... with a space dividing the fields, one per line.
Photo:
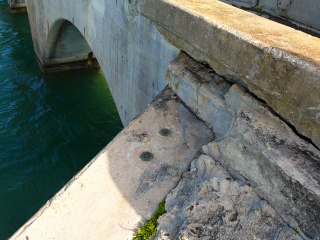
x=221 y=81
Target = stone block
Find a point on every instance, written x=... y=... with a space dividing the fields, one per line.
x=188 y=91
x=213 y=110
x=202 y=90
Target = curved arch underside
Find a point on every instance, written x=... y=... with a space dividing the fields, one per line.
x=66 y=45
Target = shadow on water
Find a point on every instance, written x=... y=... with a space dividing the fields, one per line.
x=50 y=126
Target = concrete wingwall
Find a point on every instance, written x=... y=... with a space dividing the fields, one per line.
x=131 y=52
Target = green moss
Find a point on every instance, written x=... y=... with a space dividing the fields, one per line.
x=260 y=9
x=296 y=230
x=149 y=229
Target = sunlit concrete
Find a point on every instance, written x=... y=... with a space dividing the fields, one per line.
x=117 y=191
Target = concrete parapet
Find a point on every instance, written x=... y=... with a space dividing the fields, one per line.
x=117 y=191
x=277 y=63
x=254 y=144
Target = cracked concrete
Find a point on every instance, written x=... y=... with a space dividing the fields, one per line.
x=272 y=60
x=209 y=204
x=255 y=145
x=201 y=89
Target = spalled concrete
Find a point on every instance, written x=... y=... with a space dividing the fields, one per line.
x=209 y=204
x=253 y=144
x=117 y=191
x=281 y=167
x=273 y=61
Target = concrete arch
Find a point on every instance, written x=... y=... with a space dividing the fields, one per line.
x=132 y=54
x=65 y=44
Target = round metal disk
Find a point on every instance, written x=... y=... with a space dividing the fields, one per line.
x=146 y=156
x=165 y=132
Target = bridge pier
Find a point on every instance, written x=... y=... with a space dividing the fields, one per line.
x=131 y=52
x=16 y=6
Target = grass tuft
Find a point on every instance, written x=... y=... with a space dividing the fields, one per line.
x=149 y=229
x=260 y=9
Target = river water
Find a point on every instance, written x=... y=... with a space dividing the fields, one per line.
x=50 y=126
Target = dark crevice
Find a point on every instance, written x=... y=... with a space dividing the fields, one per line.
x=290 y=125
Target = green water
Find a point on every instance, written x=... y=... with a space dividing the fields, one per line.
x=50 y=126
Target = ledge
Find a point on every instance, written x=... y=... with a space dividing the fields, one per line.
x=277 y=63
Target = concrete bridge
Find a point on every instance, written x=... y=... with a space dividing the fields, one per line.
x=134 y=43
x=132 y=53
x=231 y=60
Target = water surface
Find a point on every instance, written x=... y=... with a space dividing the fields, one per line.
x=50 y=126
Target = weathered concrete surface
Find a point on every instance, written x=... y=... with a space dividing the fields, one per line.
x=253 y=144
x=202 y=90
x=305 y=12
x=132 y=53
x=17 y=6
x=209 y=204
x=117 y=191
x=66 y=47
x=270 y=59
x=281 y=168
